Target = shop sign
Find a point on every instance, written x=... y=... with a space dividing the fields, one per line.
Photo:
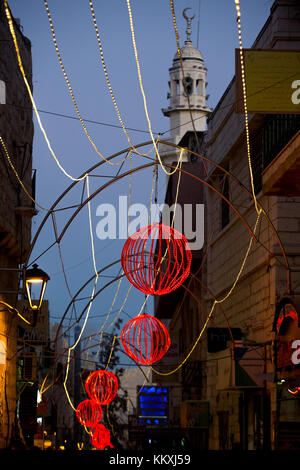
x=272 y=80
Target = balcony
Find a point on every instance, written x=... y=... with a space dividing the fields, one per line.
x=281 y=176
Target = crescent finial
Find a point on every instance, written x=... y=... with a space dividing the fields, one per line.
x=185 y=15
x=189 y=21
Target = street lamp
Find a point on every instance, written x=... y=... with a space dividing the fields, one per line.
x=38 y=278
x=31 y=277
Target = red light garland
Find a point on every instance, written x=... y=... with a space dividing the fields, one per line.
x=145 y=339
x=100 y=437
x=102 y=386
x=89 y=413
x=156 y=268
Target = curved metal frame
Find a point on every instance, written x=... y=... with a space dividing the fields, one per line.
x=117 y=178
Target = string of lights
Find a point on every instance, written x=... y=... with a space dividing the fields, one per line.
x=21 y=68
x=108 y=80
x=142 y=90
x=212 y=309
x=71 y=90
x=18 y=177
x=91 y=299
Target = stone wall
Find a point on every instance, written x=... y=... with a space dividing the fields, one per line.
x=16 y=129
x=263 y=280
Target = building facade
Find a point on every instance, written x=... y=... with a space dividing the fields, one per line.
x=16 y=130
x=241 y=377
x=248 y=409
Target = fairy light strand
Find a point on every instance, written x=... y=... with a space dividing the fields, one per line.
x=91 y=299
x=18 y=177
x=143 y=91
x=100 y=46
x=21 y=68
x=212 y=309
x=72 y=92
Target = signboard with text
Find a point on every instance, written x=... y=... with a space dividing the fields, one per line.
x=272 y=81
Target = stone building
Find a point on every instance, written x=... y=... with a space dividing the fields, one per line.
x=16 y=130
x=241 y=370
x=247 y=410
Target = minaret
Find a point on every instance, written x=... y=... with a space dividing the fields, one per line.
x=186 y=79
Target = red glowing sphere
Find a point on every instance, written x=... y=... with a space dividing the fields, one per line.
x=156 y=259
x=89 y=413
x=145 y=339
x=102 y=386
x=100 y=437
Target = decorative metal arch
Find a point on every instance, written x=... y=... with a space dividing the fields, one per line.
x=127 y=173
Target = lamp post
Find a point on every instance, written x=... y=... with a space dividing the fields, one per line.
x=31 y=277
x=38 y=278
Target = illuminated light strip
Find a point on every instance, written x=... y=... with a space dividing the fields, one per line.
x=108 y=80
x=18 y=178
x=10 y=307
x=111 y=351
x=130 y=287
x=13 y=34
x=238 y=12
x=143 y=92
x=75 y=344
x=91 y=228
x=71 y=90
x=172 y=223
x=213 y=307
x=92 y=296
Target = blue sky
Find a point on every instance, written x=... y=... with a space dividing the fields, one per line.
x=156 y=47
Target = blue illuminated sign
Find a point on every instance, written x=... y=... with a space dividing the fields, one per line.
x=152 y=404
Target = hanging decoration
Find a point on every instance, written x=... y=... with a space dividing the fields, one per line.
x=145 y=339
x=89 y=413
x=100 y=437
x=156 y=259
x=102 y=386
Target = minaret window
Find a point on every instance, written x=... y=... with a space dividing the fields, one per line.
x=177 y=87
x=199 y=86
x=187 y=86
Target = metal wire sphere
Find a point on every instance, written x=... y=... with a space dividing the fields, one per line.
x=89 y=413
x=100 y=437
x=145 y=339
x=102 y=386
x=156 y=259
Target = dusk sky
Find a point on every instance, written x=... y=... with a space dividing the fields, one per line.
x=217 y=39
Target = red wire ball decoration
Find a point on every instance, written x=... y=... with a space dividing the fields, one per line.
x=145 y=339
x=89 y=413
x=100 y=437
x=156 y=259
x=102 y=386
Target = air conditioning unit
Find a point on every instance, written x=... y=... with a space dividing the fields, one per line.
x=27 y=368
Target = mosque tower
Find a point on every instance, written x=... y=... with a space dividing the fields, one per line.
x=187 y=94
